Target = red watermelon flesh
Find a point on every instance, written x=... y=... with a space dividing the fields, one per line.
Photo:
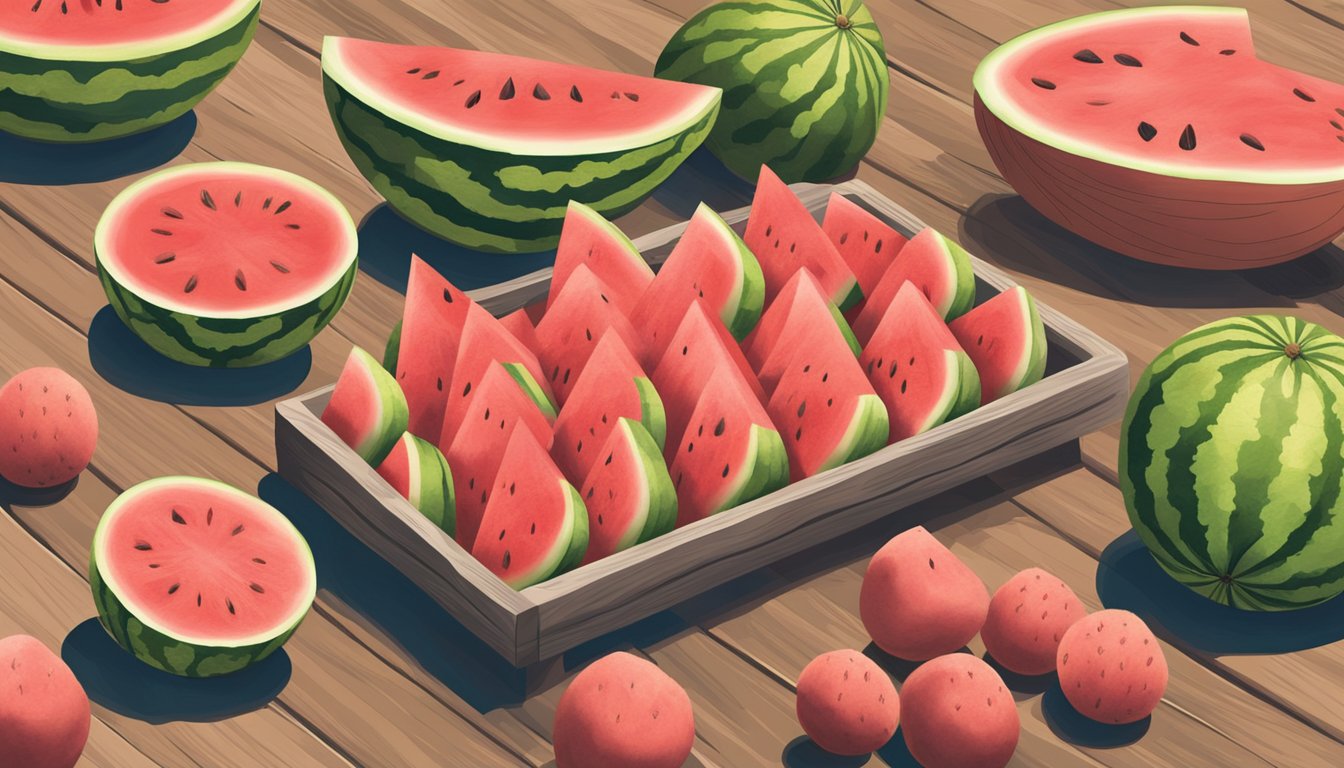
x=800 y=313
x=520 y=324
x=580 y=315
x=589 y=239
x=629 y=494
x=864 y=241
x=785 y=238
x=937 y=266
x=431 y=328
x=94 y=23
x=1006 y=340
x=535 y=526
x=44 y=712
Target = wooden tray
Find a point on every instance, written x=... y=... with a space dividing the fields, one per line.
x=1084 y=389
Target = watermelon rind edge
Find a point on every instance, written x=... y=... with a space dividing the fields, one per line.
x=653 y=416
x=768 y=471
x=742 y=313
x=867 y=432
x=662 y=494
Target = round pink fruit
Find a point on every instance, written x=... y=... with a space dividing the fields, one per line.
x=1028 y=616
x=918 y=600
x=44 y=713
x=847 y=704
x=1111 y=667
x=48 y=428
x=623 y=712
x=957 y=713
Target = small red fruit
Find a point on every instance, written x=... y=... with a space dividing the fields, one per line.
x=847 y=704
x=1028 y=616
x=48 y=428
x=1111 y=667
x=623 y=712
x=44 y=712
x=957 y=713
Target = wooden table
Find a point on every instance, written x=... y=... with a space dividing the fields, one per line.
x=378 y=676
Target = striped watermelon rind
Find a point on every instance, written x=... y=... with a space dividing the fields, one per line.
x=68 y=94
x=1231 y=461
x=802 y=93
x=765 y=471
x=429 y=480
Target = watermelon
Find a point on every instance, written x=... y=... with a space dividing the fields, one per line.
x=581 y=314
x=1006 y=340
x=918 y=368
x=622 y=711
x=937 y=266
x=198 y=578
x=864 y=241
x=520 y=325
x=1230 y=462
x=44 y=709
x=48 y=428
x=785 y=238
x=392 y=349
x=590 y=240
x=417 y=470
x=628 y=494
x=78 y=70
x=225 y=264
x=535 y=525
x=487 y=150
x=805 y=83
x=711 y=263
x=730 y=453
x=1158 y=133
x=367 y=409
x=799 y=317
x=612 y=386
x=426 y=339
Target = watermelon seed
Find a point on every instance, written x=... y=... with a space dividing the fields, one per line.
x=467 y=389
x=1340 y=110
x=684 y=349
x=512 y=487
x=1042 y=83
x=1228 y=51
x=473 y=99
x=260 y=590
x=825 y=377
x=237 y=530
x=238 y=200
x=610 y=456
x=701 y=431
x=1303 y=95
x=802 y=407
x=281 y=268
x=229 y=603
x=507 y=559
x=843 y=238
x=566 y=379
x=574 y=93
x=591 y=489
x=1098 y=103
x=540 y=93
x=209 y=515
x=1188 y=39
x=1253 y=142
x=143 y=546
x=64 y=8
x=507 y=91
x=164 y=258
x=413 y=71
x=174 y=588
x=830 y=401
x=178 y=518
x=487 y=414
x=172 y=213
x=207 y=200
x=153 y=565
x=725 y=470
x=1337 y=126
x=240 y=280
x=430 y=75
x=1187 y=140
x=1125 y=60
x=632 y=96
x=458 y=82
x=891 y=372
x=163 y=232
x=798 y=435
x=579 y=448
x=718 y=428
x=292 y=226
x=589 y=333
x=534 y=529
x=1087 y=57
x=198 y=599
x=266 y=205
x=615 y=95
x=690 y=447
x=281 y=208
x=258 y=561
x=1147 y=132
x=36 y=5
x=769 y=227
x=604 y=420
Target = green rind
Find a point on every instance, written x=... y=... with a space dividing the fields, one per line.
x=436 y=501
x=741 y=316
x=578 y=542
x=968 y=390
x=1039 y=347
x=848 y=333
x=392 y=349
x=868 y=430
x=662 y=513
x=532 y=389
x=653 y=417
x=768 y=468
x=394 y=414
x=963 y=277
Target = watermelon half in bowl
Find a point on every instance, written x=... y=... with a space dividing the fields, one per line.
x=226 y=264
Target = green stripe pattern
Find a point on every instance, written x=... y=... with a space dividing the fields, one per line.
x=434 y=496
x=82 y=101
x=804 y=90
x=1231 y=461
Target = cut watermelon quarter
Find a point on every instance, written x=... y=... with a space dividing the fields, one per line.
x=938 y=267
x=917 y=367
x=1006 y=340
x=801 y=315
x=198 y=578
x=367 y=409
x=628 y=492
x=226 y=264
x=589 y=240
x=864 y=241
x=785 y=238
x=89 y=70
x=529 y=135
x=535 y=525
x=581 y=314
x=419 y=472
x=427 y=338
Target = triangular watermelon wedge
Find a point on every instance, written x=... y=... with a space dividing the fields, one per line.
x=430 y=330
x=801 y=314
x=629 y=494
x=864 y=241
x=589 y=239
x=1006 y=339
x=917 y=367
x=523 y=329
x=419 y=472
x=941 y=270
x=567 y=335
x=366 y=410
x=785 y=238
x=535 y=525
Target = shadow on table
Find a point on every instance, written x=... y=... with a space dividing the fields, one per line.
x=131 y=365
x=702 y=178
x=1066 y=723
x=1128 y=577
x=33 y=162
x=1023 y=686
x=803 y=752
x=117 y=680
x=18 y=496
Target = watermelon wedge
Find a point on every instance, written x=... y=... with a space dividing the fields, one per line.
x=612 y=386
x=535 y=525
x=523 y=329
x=590 y=240
x=785 y=238
x=800 y=315
x=580 y=315
x=864 y=241
x=367 y=409
x=419 y=472
x=1006 y=340
x=427 y=338
x=917 y=367
x=629 y=494
x=941 y=270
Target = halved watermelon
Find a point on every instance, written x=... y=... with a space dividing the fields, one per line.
x=864 y=241
x=590 y=240
x=523 y=329
x=730 y=453
x=941 y=270
x=582 y=313
x=1006 y=340
x=419 y=472
x=535 y=525
x=917 y=367
x=427 y=338
x=486 y=149
x=799 y=315
x=629 y=494
x=785 y=238
x=367 y=409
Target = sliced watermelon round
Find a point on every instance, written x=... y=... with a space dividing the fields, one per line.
x=88 y=70
x=941 y=270
x=582 y=314
x=1006 y=340
x=417 y=470
x=589 y=240
x=226 y=264
x=426 y=340
x=864 y=241
x=367 y=409
x=628 y=493
x=487 y=149
x=197 y=578
x=801 y=314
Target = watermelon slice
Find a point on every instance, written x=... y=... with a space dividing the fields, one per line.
x=523 y=329
x=1006 y=340
x=864 y=241
x=800 y=315
x=197 y=578
x=535 y=525
x=629 y=495
x=730 y=453
x=427 y=338
x=937 y=266
x=590 y=240
x=917 y=367
x=581 y=314
x=711 y=263
x=419 y=472
x=785 y=238
x=366 y=410
x=612 y=386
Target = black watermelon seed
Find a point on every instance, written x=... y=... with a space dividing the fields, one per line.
x=1187 y=141
x=1188 y=39
x=574 y=93
x=430 y=75
x=1303 y=95
x=507 y=91
x=473 y=99
x=1227 y=51
x=1040 y=83
x=540 y=93
x=1252 y=142
x=1147 y=132
x=718 y=428
x=1087 y=56
x=1125 y=60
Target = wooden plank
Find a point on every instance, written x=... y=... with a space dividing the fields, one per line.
x=107 y=749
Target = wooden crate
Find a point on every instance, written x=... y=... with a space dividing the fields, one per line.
x=1084 y=389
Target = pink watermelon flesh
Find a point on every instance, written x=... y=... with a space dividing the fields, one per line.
x=396 y=469
x=799 y=315
x=617 y=492
x=999 y=336
x=925 y=262
x=864 y=241
x=580 y=315
x=521 y=326
x=362 y=410
x=48 y=428
x=111 y=22
x=588 y=239
x=431 y=328
x=785 y=238
x=43 y=707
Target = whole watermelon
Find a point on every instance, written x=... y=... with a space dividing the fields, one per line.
x=1231 y=461
x=804 y=83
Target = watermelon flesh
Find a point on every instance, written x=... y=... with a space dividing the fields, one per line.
x=417 y=470
x=941 y=270
x=580 y=315
x=800 y=314
x=427 y=339
x=520 y=324
x=864 y=241
x=367 y=409
x=628 y=494
x=1005 y=338
x=588 y=239
x=91 y=24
